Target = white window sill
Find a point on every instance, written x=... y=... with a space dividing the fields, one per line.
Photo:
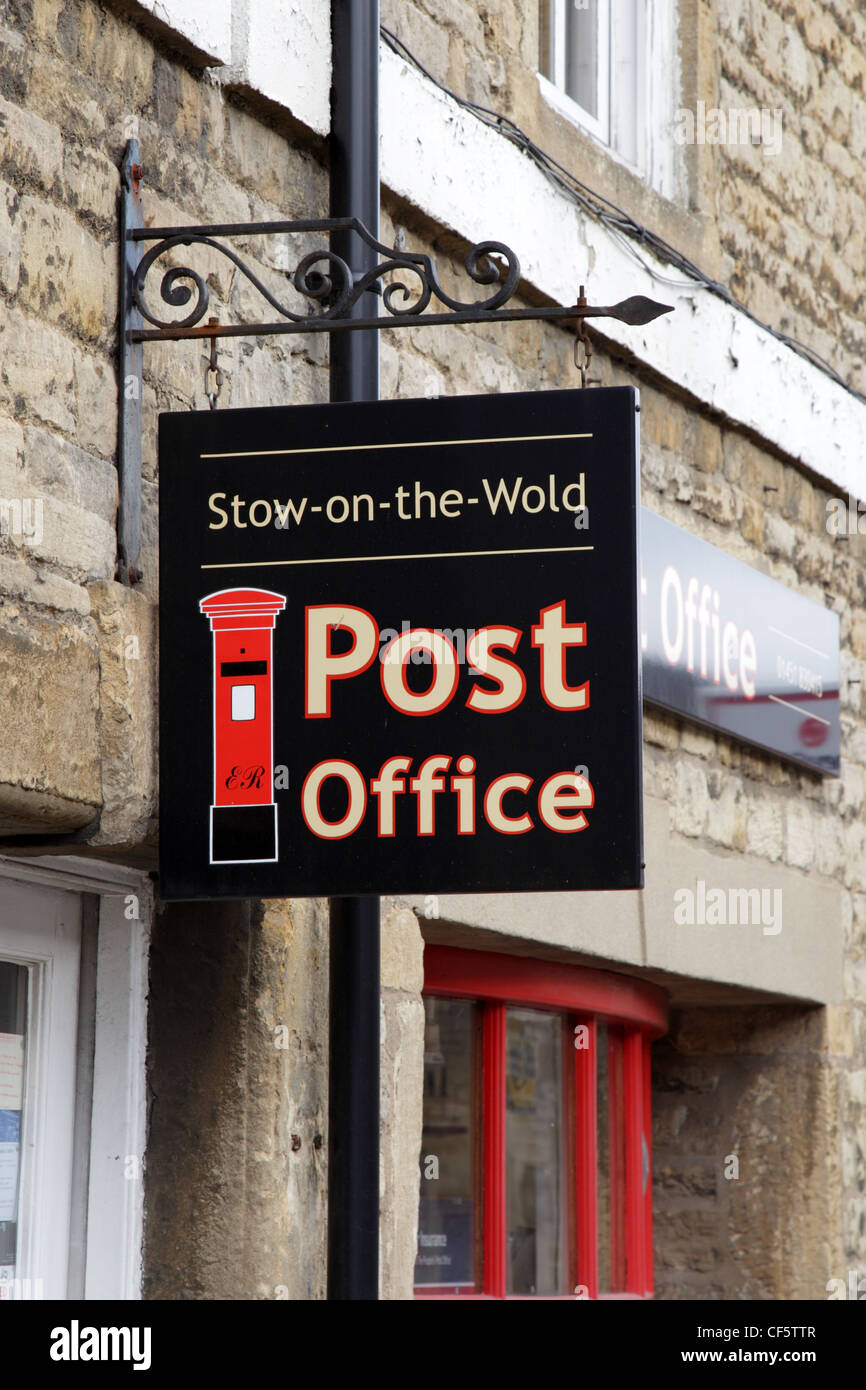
x=566 y=106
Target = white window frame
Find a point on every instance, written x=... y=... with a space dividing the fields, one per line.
x=44 y=938
x=641 y=111
x=599 y=125
x=113 y=1147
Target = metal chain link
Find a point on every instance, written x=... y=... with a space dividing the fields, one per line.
x=213 y=370
x=583 y=340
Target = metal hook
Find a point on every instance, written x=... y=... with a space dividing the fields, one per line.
x=212 y=369
x=582 y=339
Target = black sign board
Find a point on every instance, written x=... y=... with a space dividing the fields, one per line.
x=733 y=649
x=399 y=647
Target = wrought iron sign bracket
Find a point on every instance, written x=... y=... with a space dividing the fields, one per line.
x=321 y=278
x=130 y=374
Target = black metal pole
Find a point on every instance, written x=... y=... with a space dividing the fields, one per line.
x=355 y=179
x=353 y=1102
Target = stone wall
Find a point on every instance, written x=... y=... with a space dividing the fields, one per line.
x=237 y=1100
x=76 y=80
x=792 y=225
x=746 y=1162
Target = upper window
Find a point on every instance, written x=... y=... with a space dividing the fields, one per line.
x=608 y=66
x=535 y=1159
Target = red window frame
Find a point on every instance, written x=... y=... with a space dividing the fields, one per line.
x=637 y=1012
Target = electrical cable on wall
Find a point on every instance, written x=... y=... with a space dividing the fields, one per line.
x=623 y=226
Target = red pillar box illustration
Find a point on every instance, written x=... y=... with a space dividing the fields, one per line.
x=243 y=817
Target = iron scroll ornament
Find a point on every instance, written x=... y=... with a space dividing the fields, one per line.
x=334 y=289
x=326 y=279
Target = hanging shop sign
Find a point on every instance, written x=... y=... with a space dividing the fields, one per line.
x=399 y=647
x=729 y=647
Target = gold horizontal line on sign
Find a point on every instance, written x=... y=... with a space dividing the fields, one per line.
x=408 y=444
x=807 y=713
x=359 y=559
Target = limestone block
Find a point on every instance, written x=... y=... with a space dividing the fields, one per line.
x=839 y=1031
x=96 y=400
x=691 y=807
x=701 y=742
x=10 y=239
x=402 y=1090
x=829 y=845
x=726 y=821
x=799 y=840
x=779 y=537
x=751 y=520
x=38 y=586
x=402 y=948
x=426 y=38
x=36 y=370
x=261 y=373
x=662 y=421
x=62 y=268
x=452 y=14
x=49 y=751
x=660 y=728
x=764 y=829
x=418 y=378
x=126 y=622
x=855 y=980
x=31 y=149
x=76 y=498
x=654 y=465
x=91 y=183
x=658 y=775
x=786 y=1196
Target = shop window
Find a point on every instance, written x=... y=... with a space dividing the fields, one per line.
x=73 y=970
x=535 y=1154
x=13 y=1016
x=607 y=66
